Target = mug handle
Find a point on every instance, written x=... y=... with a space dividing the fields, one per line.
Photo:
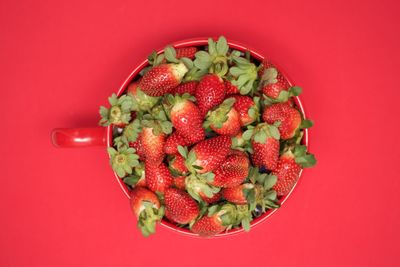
x=79 y=137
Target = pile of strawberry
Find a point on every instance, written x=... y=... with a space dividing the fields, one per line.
x=208 y=139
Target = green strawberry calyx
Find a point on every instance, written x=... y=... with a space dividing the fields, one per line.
x=157 y=120
x=216 y=59
x=218 y=116
x=245 y=73
x=198 y=184
x=261 y=132
x=132 y=130
x=123 y=159
x=149 y=216
x=142 y=101
x=119 y=113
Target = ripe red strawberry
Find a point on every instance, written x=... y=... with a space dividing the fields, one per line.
x=266 y=154
x=217 y=220
x=210 y=200
x=161 y=79
x=186 y=118
x=265 y=143
x=179 y=182
x=224 y=119
x=233 y=171
x=210 y=153
x=152 y=146
x=236 y=194
x=230 y=88
x=177 y=163
x=187 y=87
x=137 y=145
x=287 y=173
x=180 y=207
x=158 y=178
x=289 y=117
x=173 y=141
x=274 y=88
x=210 y=92
x=208 y=226
x=146 y=207
x=188 y=52
x=247 y=109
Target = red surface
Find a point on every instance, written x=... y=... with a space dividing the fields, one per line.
x=60 y=61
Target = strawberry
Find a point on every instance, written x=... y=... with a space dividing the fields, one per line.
x=137 y=145
x=146 y=207
x=119 y=114
x=198 y=188
x=265 y=154
x=210 y=92
x=237 y=193
x=287 y=172
x=188 y=52
x=208 y=154
x=187 y=87
x=186 y=118
x=179 y=182
x=289 y=167
x=230 y=88
x=158 y=178
x=210 y=200
x=161 y=79
x=177 y=165
x=217 y=220
x=179 y=206
x=247 y=109
x=172 y=143
x=233 y=171
x=265 y=143
x=153 y=146
x=140 y=100
x=289 y=118
x=208 y=226
x=273 y=86
x=224 y=119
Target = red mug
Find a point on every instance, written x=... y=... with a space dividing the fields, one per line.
x=100 y=136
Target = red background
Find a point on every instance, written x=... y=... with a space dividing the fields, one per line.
x=59 y=60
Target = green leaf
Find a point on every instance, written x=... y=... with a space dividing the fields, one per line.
x=270 y=181
x=131 y=180
x=260 y=137
x=166 y=127
x=210 y=177
x=183 y=151
x=247 y=134
x=295 y=90
x=274 y=132
x=212 y=210
x=306 y=124
x=306 y=161
x=170 y=54
x=222 y=46
x=211 y=46
x=300 y=151
x=188 y=62
x=246 y=224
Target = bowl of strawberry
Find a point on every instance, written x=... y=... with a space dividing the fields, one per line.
x=207 y=138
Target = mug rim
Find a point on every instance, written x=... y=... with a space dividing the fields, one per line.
x=201 y=41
